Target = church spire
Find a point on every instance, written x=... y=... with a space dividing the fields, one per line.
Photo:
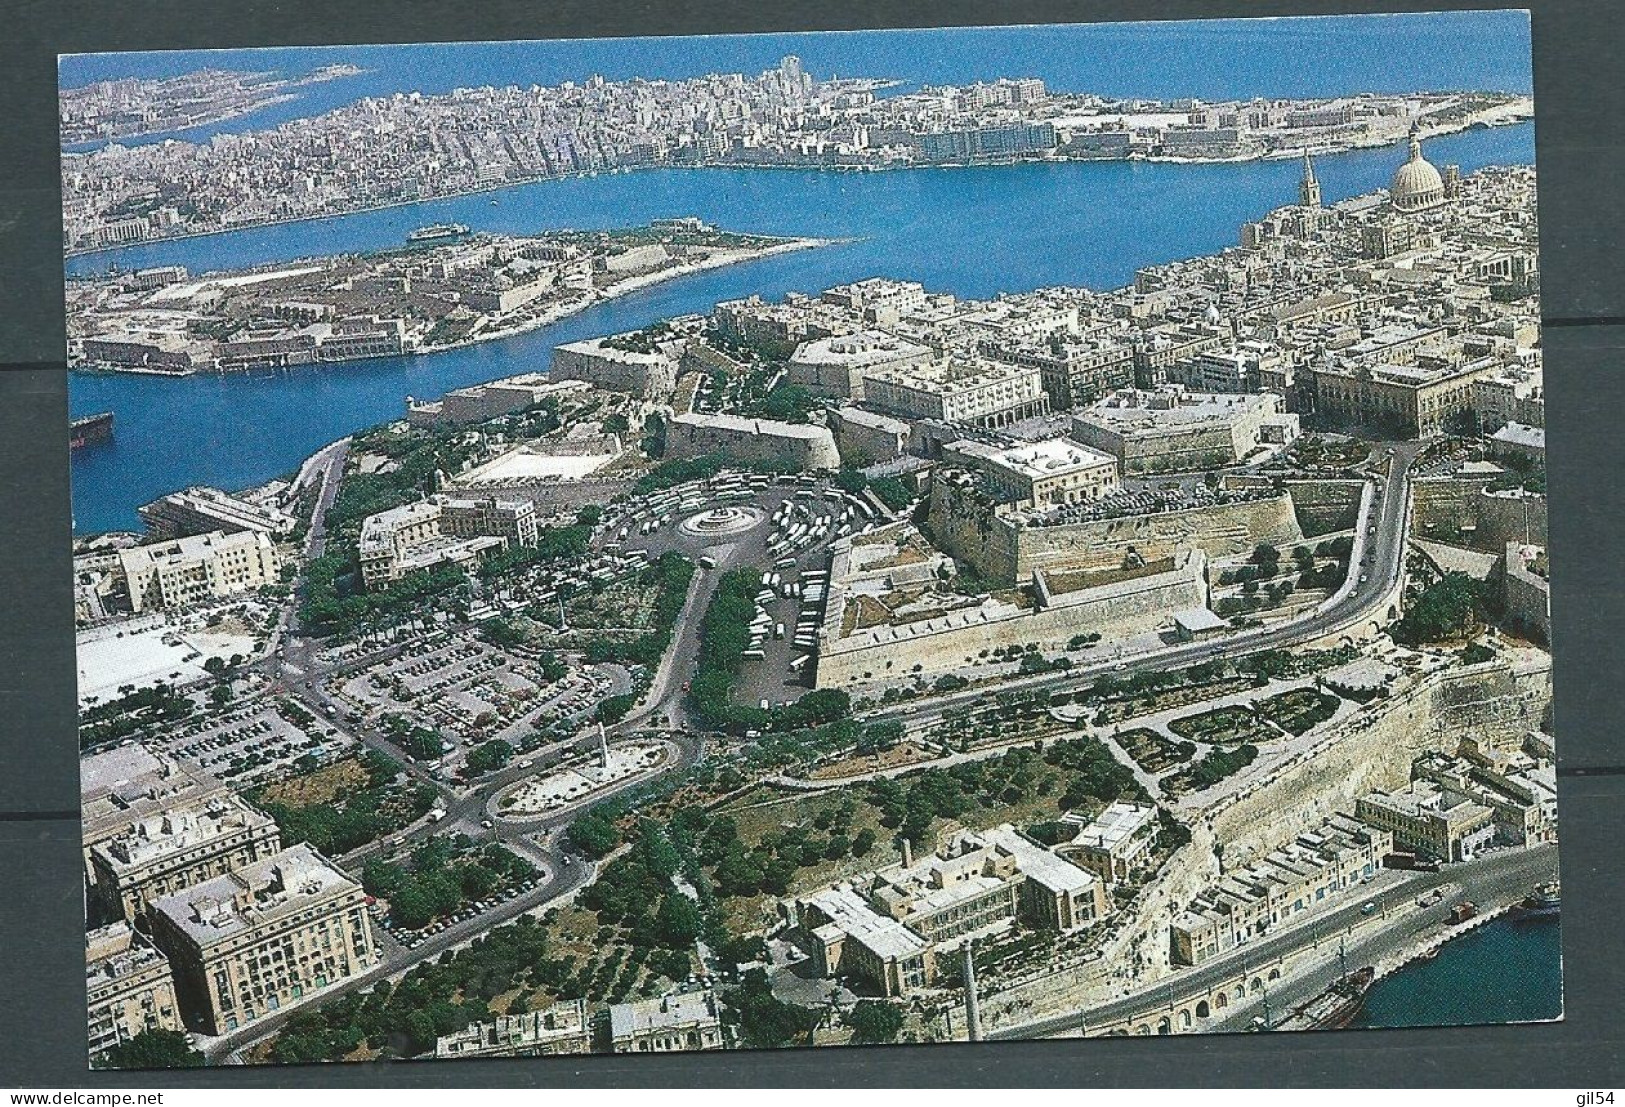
x=1309 y=187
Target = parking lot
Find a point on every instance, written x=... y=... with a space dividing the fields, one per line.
x=472 y=692
x=257 y=741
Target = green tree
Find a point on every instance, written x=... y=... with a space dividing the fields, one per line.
x=490 y=756
x=678 y=922
x=152 y=1049
x=595 y=834
x=874 y=1022
x=765 y=1021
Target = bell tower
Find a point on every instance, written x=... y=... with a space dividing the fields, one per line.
x=1309 y=187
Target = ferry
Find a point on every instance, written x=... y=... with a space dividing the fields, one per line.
x=437 y=234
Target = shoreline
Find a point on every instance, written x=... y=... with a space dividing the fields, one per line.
x=83 y=147
x=1500 y=118
x=627 y=286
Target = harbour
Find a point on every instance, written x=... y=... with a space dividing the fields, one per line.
x=1508 y=970
x=937 y=226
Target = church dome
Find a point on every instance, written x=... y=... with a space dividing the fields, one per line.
x=1417 y=185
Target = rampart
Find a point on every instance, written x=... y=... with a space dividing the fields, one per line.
x=1373 y=748
x=999 y=547
x=1325 y=506
x=1460 y=512
x=954 y=640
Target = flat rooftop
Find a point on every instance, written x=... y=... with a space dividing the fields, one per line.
x=279 y=886
x=1050 y=457
x=1131 y=410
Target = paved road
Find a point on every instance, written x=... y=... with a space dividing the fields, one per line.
x=1379 y=561
x=556 y=884
x=1490 y=882
x=1496 y=878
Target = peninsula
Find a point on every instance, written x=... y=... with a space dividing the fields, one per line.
x=135 y=108
x=378 y=152
x=444 y=287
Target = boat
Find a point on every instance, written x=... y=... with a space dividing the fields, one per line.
x=90 y=430
x=1336 y=1007
x=1545 y=902
x=437 y=233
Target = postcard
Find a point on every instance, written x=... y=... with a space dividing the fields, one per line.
x=810 y=539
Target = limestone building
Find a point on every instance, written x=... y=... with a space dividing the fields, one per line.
x=440 y=530
x=835 y=366
x=1418 y=399
x=263 y=938
x=684 y=1021
x=128 y=988
x=196 y=511
x=620 y=364
x=480 y=402
x=1171 y=429
x=127 y=784
x=1514 y=394
x=884 y=623
x=1443 y=823
x=972 y=391
x=1074 y=370
x=1518 y=786
x=888 y=927
x=1309 y=873
x=160 y=854
x=1114 y=844
x=801 y=445
x=197 y=569
x=1039 y=474
x=864 y=438
x=1417 y=185
x=559 y=1028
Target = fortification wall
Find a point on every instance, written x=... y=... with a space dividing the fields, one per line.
x=1374 y=748
x=1325 y=506
x=997 y=549
x=1115 y=611
x=552 y=495
x=1460 y=513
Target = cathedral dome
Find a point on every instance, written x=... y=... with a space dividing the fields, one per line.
x=1417 y=185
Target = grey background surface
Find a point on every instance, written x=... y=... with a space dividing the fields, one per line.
x=1580 y=112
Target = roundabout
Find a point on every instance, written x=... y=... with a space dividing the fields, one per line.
x=585 y=781
x=721 y=522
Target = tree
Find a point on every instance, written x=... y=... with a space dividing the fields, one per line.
x=874 y=1022
x=1446 y=609
x=153 y=1049
x=489 y=756
x=595 y=834
x=765 y=1021
x=678 y=922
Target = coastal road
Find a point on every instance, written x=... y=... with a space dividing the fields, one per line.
x=1497 y=878
x=1374 y=568
x=1489 y=882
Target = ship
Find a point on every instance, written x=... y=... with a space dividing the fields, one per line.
x=437 y=234
x=1336 y=1007
x=90 y=430
x=1545 y=902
